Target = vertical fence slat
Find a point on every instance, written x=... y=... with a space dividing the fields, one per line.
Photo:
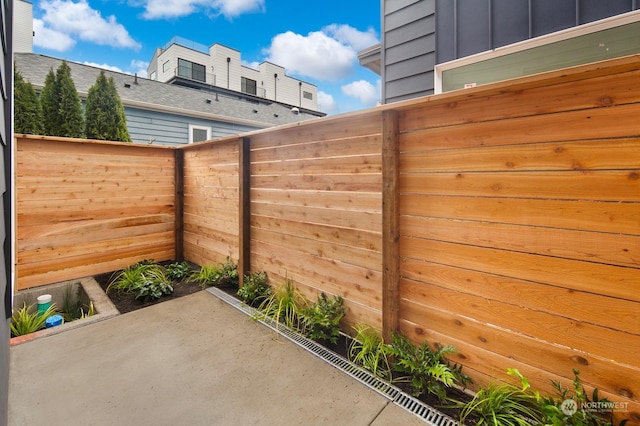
x=179 y=205
x=244 y=261
x=390 y=224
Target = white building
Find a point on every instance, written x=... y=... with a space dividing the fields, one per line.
x=22 y=27
x=192 y=64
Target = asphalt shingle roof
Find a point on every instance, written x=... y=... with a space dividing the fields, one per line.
x=153 y=95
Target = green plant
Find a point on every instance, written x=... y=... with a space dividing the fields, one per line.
x=27 y=108
x=428 y=369
x=367 y=350
x=154 y=285
x=146 y=279
x=576 y=409
x=178 y=271
x=224 y=275
x=25 y=320
x=255 y=288
x=73 y=308
x=321 y=321
x=504 y=404
x=284 y=305
x=105 y=118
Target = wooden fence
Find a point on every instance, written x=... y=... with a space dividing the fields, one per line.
x=503 y=219
x=85 y=207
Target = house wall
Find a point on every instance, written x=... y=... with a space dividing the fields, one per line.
x=408 y=50
x=417 y=35
x=466 y=27
x=6 y=207
x=172 y=129
x=23 y=26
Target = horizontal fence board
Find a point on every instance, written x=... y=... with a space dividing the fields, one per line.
x=604 y=91
x=338 y=182
x=367 y=221
x=582 y=155
x=553 y=329
x=365 y=201
x=619 y=185
x=598 y=123
x=595 y=278
x=597 y=216
x=598 y=247
x=348 y=237
x=320 y=166
x=614 y=313
x=522 y=348
x=355 y=146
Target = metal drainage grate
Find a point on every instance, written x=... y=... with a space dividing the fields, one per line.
x=430 y=415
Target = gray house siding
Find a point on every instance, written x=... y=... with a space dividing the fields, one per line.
x=467 y=27
x=419 y=34
x=6 y=139
x=408 y=53
x=170 y=129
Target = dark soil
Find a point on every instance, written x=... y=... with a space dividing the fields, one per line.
x=126 y=302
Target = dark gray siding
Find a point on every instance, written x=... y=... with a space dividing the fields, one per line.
x=408 y=52
x=6 y=140
x=466 y=27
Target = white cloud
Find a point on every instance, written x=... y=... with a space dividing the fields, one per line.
x=160 y=9
x=48 y=38
x=327 y=55
x=367 y=93
x=350 y=36
x=104 y=66
x=316 y=55
x=139 y=67
x=326 y=103
x=78 y=20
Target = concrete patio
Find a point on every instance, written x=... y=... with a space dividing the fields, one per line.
x=190 y=361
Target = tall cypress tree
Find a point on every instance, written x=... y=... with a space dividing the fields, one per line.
x=49 y=103
x=27 y=110
x=70 y=108
x=105 y=118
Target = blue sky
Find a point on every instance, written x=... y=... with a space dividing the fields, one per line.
x=316 y=41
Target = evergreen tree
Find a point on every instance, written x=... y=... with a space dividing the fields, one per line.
x=61 y=106
x=27 y=110
x=70 y=111
x=105 y=118
x=49 y=105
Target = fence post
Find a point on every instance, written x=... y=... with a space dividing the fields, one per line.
x=244 y=249
x=390 y=224
x=179 y=205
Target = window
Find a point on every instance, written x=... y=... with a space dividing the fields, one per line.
x=191 y=70
x=307 y=95
x=249 y=86
x=165 y=66
x=199 y=133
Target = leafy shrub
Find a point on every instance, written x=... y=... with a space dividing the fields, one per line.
x=367 y=350
x=556 y=416
x=178 y=271
x=321 y=321
x=154 y=285
x=504 y=404
x=284 y=305
x=28 y=320
x=224 y=275
x=255 y=288
x=428 y=369
x=145 y=279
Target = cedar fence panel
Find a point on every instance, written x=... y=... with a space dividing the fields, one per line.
x=87 y=207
